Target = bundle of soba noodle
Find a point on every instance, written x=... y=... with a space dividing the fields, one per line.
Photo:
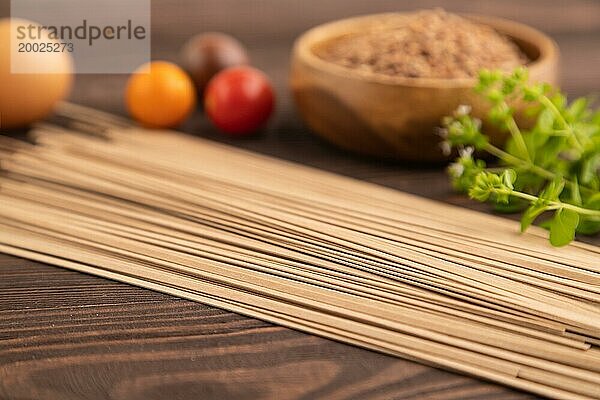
x=317 y=252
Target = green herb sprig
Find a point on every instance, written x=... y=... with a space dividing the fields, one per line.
x=552 y=167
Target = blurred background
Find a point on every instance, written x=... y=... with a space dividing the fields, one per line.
x=269 y=27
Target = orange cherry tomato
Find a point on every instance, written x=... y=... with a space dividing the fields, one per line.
x=160 y=95
x=239 y=100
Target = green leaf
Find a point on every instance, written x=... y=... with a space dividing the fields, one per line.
x=589 y=226
x=553 y=190
x=577 y=108
x=531 y=214
x=559 y=100
x=593 y=202
x=548 y=152
x=575 y=193
x=563 y=226
x=529 y=182
x=589 y=168
x=514 y=205
x=545 y=224
x=545 y=121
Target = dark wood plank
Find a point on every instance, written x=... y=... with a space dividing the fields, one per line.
x=65 y=335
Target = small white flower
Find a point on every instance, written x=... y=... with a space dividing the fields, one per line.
x=477 y=123
x=446 y=147
x=466 y=152
x=463 y=110
x=456 y=170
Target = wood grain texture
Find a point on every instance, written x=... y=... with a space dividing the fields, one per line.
x=65 y=335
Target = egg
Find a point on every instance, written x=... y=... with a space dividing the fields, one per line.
x=28 y=97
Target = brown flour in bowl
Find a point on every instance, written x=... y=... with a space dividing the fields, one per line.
x=431 y=44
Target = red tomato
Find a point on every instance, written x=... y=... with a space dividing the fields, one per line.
x=239 y=100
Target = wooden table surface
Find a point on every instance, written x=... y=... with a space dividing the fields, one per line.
x=65 y=335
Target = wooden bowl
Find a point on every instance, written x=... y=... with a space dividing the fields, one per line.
x=394 y=117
